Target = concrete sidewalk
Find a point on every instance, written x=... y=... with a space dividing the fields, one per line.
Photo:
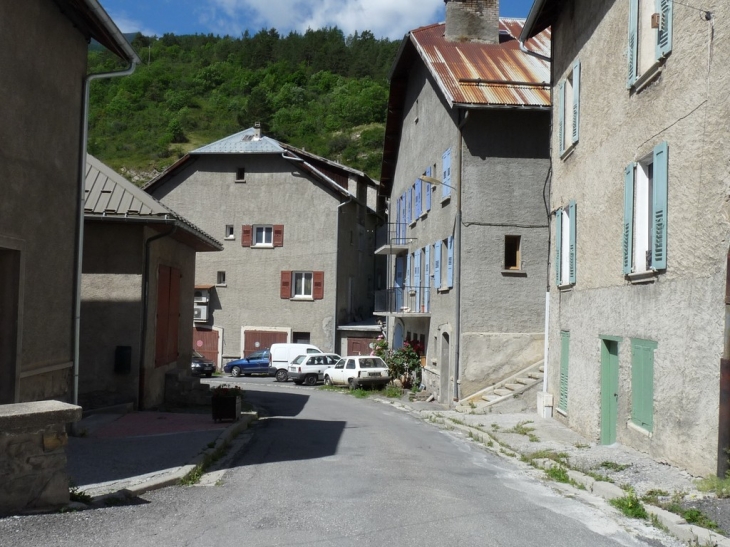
x=592 y=469
x=129 y=454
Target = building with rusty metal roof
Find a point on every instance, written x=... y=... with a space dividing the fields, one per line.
x=467 y=235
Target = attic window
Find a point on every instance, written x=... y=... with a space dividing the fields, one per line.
x=241 y=174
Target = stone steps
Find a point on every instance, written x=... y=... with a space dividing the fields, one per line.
x=501 y=391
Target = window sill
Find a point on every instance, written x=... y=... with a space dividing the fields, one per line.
x=412 y=223
x=221 y=285
x=302 y=299
x=631 y=425
x=565 y=288
x=642 y=277
x=263 y=246
x=561 y=411
x=514 y=273
x=240 y=180
x=445 y=199
x=230 y=238
x=643 y=81
x=444 y=290
x=569 y=151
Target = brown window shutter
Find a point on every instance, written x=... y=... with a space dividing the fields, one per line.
x=246 y=231
x=278 y=235
x=285 y=290
x=318 y=288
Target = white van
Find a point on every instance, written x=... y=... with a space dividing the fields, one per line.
x=282 y=354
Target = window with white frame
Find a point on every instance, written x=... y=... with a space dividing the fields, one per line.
x=302 y=285
x=263 y=236
x=565 y=251
x=645 y=213
x=229 y=232
x=569 y=109
x=650 y=36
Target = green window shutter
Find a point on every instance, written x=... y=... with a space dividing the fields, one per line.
x=576 y=101
x=558 y=245
x=642 y=383
x=664 y=34
x=561 y=117
x=572 y=221
x=633 y=52
x=564 y=361
x=628 y=216
x=659 y=222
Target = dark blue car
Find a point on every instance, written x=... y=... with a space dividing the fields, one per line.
x=256 y=363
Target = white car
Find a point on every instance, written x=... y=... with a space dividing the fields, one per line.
x=308 y=369
x=357 y=371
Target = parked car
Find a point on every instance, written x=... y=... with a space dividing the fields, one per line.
x=201 y=366
x=283 y=354
x=256 y=363
x=357 y=371
x=308 y=369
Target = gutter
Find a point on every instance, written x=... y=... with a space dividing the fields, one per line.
x=133 y=62
x=535 y=10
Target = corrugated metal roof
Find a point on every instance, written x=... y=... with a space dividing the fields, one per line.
x=110 y=195
x=248 y=141
x=478 y=74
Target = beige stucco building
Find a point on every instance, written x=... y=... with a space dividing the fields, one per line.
x=639 y=223
x=43 y=52
x=467 y=237
x=298 y=233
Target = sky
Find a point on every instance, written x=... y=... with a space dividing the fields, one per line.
x=384 y=18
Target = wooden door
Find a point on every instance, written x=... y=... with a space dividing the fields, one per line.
x=205 y=342
x=609 y=390
x=359 y=346
x=261 y=339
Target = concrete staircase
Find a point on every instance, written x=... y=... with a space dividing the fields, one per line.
x=523 y=380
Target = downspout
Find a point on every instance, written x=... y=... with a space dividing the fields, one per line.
x=524 y=49
x=457 y=246
x=337 y=272
x=145 y=308
x=80 y=221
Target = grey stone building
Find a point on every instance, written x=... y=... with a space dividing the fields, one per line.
x=43 y=56
x=298 y=233
x=467 y=238
x=137 y=294
x=640 y=226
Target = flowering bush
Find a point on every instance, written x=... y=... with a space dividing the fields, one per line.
x=226 y=390
x=380 y=348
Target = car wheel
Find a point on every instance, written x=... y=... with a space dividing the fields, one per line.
x=310 y=380
x=236 y=371
x=282 y=375
x=351 y=383
x=327 y=380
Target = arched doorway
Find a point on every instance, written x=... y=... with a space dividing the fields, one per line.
x=398 y=336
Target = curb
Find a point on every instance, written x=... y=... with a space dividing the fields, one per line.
x=674 y=524
x=172 y=477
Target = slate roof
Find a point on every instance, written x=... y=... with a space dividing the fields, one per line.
x=245 y=142
x=109 y=196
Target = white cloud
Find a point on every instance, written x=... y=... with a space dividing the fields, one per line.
x=128 y=24
x=385 y=18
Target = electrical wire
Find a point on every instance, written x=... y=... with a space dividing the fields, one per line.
x=706 y=13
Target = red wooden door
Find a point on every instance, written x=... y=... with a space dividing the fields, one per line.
x=262 y=339
x=205 y=342
x=359 y=346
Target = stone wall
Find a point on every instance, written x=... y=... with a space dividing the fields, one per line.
x=33 y=467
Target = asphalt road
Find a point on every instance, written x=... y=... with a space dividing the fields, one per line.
x=327 y=469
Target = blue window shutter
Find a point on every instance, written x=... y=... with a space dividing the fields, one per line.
x=561 y=117
x=397 y=221
x=572 y=250
x=417 y=191
x=558 y=246
x=659 y=224
x=409 y=205
x=664 y=34
x=450 y=263
x=437 y=265
x=628 y=217
x=417 y=279
x=407 y=284
x=428 y=191
x=633 y=52
x=576 y=101
x=427 y=278
x=446 y=179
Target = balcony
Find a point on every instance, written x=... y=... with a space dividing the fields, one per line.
x=391 y=239
x=403 y=302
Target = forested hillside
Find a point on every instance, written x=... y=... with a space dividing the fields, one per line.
x=319 y=90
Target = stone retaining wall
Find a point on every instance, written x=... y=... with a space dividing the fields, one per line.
x=33 y=456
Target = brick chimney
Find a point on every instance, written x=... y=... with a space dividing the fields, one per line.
x=472 y=21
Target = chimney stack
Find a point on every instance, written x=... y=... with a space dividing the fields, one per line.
x=257 y=130
x=472 y=21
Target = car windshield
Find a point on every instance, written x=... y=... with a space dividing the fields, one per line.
x=257 y=354
x=372 y=362
x=197 y=355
